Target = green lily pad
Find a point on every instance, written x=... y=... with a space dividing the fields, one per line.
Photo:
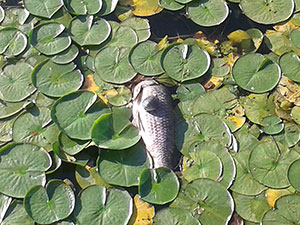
x=185 y=62
x=214 y=102
x=251 y=208
x=296 y=114
x=112 y=65
x=220 y=68
x=86 y=176
x=140 y=26
x=108 y=6
x=12 y=41
x=50 y=204
x=145 y=58
x=75 y=113
x=50 y=38
x=15 y=84
x=43 y=8
x=206 y=201
x=119 y=96
x=295 y=37
x=56 y=80
x=4 y=204
x=183 y=1
x=272 y=125
x=285 y=212
x=269 y=164
x=2 y=14
x=114 y=131
x=291 y=133
x=16 y=214
x=290 y=65
x=258 y=106
x=33 y=127
x=98 y=205
x=153 y=183
x=172 y=5
x=8 y=109
x=255 y=73
x=293 y=175
x=66 y=56
x=267 y=12
x=88 y=31
x=83 y=7
x=202 y=164
x=123 y=168
x=208 y=13
x=71 y=146
x=17 y=178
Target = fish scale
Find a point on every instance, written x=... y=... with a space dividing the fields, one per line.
x=153 y=116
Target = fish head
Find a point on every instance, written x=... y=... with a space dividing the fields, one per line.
x=138 y=89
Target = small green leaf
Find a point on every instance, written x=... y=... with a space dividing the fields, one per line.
x=43 y=8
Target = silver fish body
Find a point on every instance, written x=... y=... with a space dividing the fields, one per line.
x=153 y=115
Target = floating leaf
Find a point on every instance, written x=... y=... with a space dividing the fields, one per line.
x=273 y=195
x=171 y=5
x=71 y=146
x=208 y=13
x=296 y=114
x=290 y=65
x=15 y=84
x=75 y=113
x=66 y=56
x=143 y=212
x=96 y=204
x=272 y=125
x=140 y=26
x=50 y=204
x=2 y=14
x=123 y=168
x=118 y=96
x=293 y=173
x=4 y=204
x=145 y=58
x=171 y=216
x=56 y=80
x=268 y=12
x=146 y=7
x=153 y=183
x=255 y=73
x=269 y=164
x=202 y=164
x=108 y=6
x=16 y=214
x=17 y=178
x=114 y=131
x=185 y=62
x=206 y=201
x=83 y=7
x=12 y=41
x=43 y=8
x=251 y=208
x=50 y=38
x=88 y=31
x=112 y=65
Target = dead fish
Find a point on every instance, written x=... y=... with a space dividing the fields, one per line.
x=153 y=115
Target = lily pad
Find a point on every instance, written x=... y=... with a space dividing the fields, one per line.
x=255 y=73
x=206 y=201
x=172 y=5
x=185 y=62
x=71 y=146
x=123 y=168
x=108 y=6
x=145 y=58
x=202 y=164
x=2 y=14
x=50 y=204
x=4 y=204
x=88 y=31
x=112 y=65
x=56 y=80
x=296 y=114
x=272 y=125
x=290 y=65
x=5 y=130
x=12 y=41
x=267 y=12
x=208 y=13
x=118 y=96
x=153 y=183
x=17 y=178
x=16 y=214
x=50 y=38
x=66 y=56
x=43 y=8
x=15 y=84
x=83 y=7
x=293 y=175
x=75 y=113
x=98 y=205
x=140 y=26
x=8 y=109
x=114 y=131
x=284 y=212
x=269 y=164
x=251 y=208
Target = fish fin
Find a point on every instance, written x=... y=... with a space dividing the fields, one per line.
x=150 y=103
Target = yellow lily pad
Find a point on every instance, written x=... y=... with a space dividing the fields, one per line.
x=274 y=194
x=238 y=36
x=143 y=212
x=146 y=7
